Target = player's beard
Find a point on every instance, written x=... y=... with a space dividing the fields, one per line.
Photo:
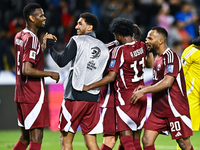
x=154 y=48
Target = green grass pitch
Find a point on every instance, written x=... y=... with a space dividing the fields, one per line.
x=51 y=141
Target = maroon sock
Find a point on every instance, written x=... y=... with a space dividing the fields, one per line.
x=105 y=147
x=191 y=148
x=35 y=146
x=20 y=146
x=151 y=147
x=137 y=144
x=120 y=147
x=127 y=142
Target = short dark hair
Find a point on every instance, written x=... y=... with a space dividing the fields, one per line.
x=122 y=26
x=29 y=10
x=90 y=19
x=161 y=30
x=137 y=33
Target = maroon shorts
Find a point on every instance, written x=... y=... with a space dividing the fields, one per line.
x=130 y=117
x=85 y=114
x=179 y=127
x=32 y=116
x=109 y=120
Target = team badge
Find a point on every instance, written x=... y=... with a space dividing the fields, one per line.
x=158 y=67
x=170 y=68
x=112 y=63
x=32 y=54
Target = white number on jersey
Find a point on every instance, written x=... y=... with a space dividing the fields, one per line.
x=134 y=66
x=175 y=126
x=18 y=63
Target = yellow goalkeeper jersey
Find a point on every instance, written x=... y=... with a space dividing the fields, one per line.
x=191 y=66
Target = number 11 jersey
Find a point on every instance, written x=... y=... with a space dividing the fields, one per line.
x=128 y=61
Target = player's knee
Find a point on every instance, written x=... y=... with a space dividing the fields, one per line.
x=109 y=141
x=145 y=141
x=90 y=142
x=37 y=138
x=184 y=143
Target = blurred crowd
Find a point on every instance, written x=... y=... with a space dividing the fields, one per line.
x=179 y=17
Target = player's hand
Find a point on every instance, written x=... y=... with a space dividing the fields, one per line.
x=50 y=36
x=44 y=45
x=55 y=76
x=138 y=88
x=85 y=88
x=136 y=95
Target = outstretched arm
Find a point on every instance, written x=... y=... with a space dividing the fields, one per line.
x=107 y=79
x=64 y=58
x=165 y=83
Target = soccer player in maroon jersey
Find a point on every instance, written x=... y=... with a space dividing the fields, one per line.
x=170 y=109
x=126 y=70
x=30 y=94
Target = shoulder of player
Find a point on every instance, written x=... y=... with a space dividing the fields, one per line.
x=117 y=48
x=191 y=51
x=171 y=55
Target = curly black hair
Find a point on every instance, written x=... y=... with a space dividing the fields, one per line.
x=29 y=10
x=90 y=19
x=122 y=26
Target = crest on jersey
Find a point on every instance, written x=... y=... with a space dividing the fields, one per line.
x=112 y=63
x=96 y=52
x=170 y=68
x=158 y=67
x=32 y=54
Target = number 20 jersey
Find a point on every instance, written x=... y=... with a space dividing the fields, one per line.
x=128 y=61
x=170 y=102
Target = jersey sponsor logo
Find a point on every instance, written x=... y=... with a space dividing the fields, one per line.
x=32 y=54
x=170 y=68
x=112 y=63
x=96 y=52
x=19 y=42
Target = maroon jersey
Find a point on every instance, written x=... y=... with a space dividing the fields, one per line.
x=128 y=61
x=171 y=102
x=107 y=92
x=28 y=48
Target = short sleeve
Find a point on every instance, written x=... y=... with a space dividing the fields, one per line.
x=172 y=64
x=115 y=61
x=30 y=49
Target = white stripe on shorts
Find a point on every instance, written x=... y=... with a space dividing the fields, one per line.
x=32 y=116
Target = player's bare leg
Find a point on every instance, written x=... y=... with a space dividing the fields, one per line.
x=24 y=136
x=23 y=141
x=184 y=143
x=110 y=140
x=149 y=137
x=66 y=139
x=91 y=142
x=36 y=135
